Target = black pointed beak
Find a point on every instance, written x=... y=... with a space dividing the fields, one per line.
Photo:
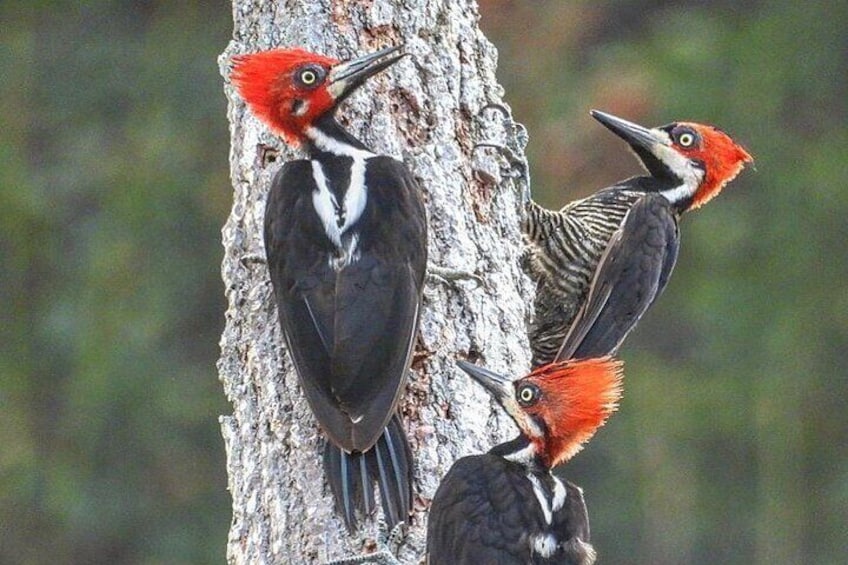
x=634 y=134
x=503 y=390
x=348 y=76
x=498 y=386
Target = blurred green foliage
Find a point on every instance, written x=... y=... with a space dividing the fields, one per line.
x=114 y=187
x=730 y=446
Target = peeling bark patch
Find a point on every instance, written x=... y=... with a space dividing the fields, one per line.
x=415 y=125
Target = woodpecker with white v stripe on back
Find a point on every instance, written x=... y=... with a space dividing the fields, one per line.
x=506 y=506
x=346 y=244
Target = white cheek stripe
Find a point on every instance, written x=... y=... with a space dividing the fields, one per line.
x=301 y=110
x=683 y=168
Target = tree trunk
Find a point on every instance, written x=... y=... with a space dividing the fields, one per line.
x=430 y=111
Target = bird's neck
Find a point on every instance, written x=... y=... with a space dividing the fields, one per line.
x=676 y=190
x=677 y=177
x=327 y=136
x=681 y=196
x=523 y=451
x=549 y=491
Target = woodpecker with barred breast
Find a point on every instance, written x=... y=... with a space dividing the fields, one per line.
x=600 y=262
x=346 y=245
x=506 y=506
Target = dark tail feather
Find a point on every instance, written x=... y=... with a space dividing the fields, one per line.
x=390 y=464
x=343 y=471
x=352 y=476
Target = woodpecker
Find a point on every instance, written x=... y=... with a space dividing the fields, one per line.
x=506 y=506
x=346 y=246
x=600 y=262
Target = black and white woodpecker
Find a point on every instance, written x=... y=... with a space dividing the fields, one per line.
x=346 y=245
x=600 y=262
x=506 y=506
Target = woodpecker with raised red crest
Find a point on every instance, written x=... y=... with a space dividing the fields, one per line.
x=346 y=245
x=600 y=262
x=506 y=506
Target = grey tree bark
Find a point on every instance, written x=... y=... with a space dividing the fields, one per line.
x=430 y=110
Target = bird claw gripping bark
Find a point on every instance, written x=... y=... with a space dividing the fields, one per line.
x=445 y=275
x=388 y=546
x=511 y=151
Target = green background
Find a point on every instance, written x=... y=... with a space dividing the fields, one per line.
x=732 y=440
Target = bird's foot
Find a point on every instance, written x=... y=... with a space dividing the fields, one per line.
x=388 y=546
x=446 y=275
x=517 y=167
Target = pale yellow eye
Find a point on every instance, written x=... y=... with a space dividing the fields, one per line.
x=686 y=139
x=527 y=394
x=308 y=77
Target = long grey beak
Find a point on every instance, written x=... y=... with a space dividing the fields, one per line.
x=503 y=389
x=498 y=386
x=348 y=76
x=634 y=134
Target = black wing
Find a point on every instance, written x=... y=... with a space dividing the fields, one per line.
x=631 y=274
x=573 y=528
x=377 y=307
x=349 y=331
x=485 y=511
x=478 y=515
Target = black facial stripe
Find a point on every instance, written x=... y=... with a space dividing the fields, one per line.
x=655 y=167
x=540 y=423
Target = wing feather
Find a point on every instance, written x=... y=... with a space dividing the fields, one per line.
x=631 y=274
x=349 y=331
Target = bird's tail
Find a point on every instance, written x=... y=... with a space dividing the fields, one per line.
x=352 y=477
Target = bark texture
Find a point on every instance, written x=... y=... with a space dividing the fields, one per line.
x=430 y=111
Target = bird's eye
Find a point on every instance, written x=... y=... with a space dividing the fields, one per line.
x=527 y=394
x=309 y=77
x=686 y=137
